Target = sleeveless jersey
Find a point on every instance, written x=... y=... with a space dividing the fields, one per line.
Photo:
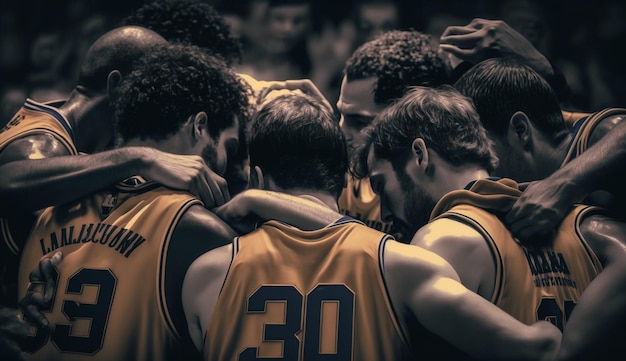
x=359 y=201
x=531 y=284
x=32 y=118
x=303 y=295
x=110 y=302
x=582 y=132
x=572 y=117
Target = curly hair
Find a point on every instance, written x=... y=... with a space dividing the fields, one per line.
x=172 y=83
x=189 y=22
x=398 y=59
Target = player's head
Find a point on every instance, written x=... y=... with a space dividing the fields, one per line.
x=181 y=96
x=297 y=144
x=380 y=71
x=409 y=142
x=189 y=22
x=516 y=105
x=115 y=52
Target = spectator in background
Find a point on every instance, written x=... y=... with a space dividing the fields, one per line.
x=275 y=40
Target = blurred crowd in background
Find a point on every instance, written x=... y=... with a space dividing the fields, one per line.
x=42 y=42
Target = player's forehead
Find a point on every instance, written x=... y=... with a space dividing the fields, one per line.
x=356 y=97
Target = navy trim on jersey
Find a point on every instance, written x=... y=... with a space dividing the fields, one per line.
x=162 y=265
x=574 y=131
x=470 y=184
x=233 y=253
x=381 y=269
x=31 y=105
x=346 y=219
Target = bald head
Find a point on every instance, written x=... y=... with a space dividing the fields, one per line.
x=117 y=49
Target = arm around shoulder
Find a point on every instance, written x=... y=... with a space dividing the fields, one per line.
x=440 y=303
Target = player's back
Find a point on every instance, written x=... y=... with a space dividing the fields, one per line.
x=530 y=283
x=109 y=302
x=302 y=295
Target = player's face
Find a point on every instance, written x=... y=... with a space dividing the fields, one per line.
x=357 y=107
x=216 y=155
x=403 y=200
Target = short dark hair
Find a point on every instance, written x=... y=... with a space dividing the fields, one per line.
x=298 y=142
x=189 y=22
x=446 y=121
x=398 y=59
x=174 y=82
x=500 y=87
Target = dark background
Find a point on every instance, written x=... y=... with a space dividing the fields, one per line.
x=41 y=42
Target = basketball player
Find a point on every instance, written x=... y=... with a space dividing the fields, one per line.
x=126 y=247
x=337 y=291
x=439 y=189
x=376 y=74
x=38 y=148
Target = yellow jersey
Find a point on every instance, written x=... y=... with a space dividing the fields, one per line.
x=531 y=284
x=32 y=118
x=583 y=129
x=109 y=302
x=359 y=201
x=305 y=295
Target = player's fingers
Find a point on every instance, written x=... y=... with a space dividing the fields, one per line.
x=517 y=222
x=278 y=85
x=204 y=191
x=458 y=52
x=457 y=30
x=31 y=313
x=464 y=39
x=307 y=86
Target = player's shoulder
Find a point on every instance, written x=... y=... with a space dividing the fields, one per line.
x=447 y=232
x=201 y=221
x=403 y=259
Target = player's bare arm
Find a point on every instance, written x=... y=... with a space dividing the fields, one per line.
x=596 y=324
x=201 y=289
x=443 y=305
x=253 y=205
x=464 y=248
x=46 y=176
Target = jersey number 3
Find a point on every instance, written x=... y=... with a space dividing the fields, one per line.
x=97 y=313
x=312 y=307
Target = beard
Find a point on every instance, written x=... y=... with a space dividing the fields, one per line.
x=209 y=155
x=418 y=206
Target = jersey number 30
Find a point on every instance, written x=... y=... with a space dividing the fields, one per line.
x=295 y=304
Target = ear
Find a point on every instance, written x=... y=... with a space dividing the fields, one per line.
x=521 y=128
x=113 y=81
x=200 y=125
x=256 y=180
x=420 y=153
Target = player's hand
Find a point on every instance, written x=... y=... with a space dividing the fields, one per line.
x=38 y=299
x=238 y=212
x=13 y=330
x=540 y=209
x=189 y=173
x=483 y=39
x=271 y=89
